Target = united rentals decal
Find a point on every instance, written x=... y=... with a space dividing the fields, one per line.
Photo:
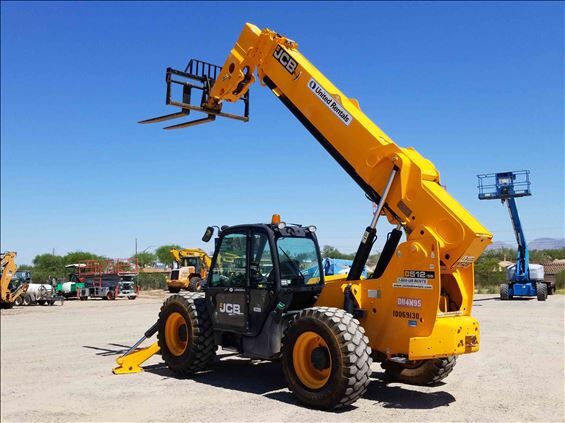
x=326 y=98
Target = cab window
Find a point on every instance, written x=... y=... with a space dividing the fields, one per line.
x=298 y=261
x=230 y=268
x=261 y=274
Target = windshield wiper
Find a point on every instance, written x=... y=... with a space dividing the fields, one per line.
x=297 y=271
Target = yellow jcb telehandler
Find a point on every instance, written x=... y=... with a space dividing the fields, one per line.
x=413 y=314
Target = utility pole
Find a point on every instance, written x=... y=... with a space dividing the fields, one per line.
x=135 y=247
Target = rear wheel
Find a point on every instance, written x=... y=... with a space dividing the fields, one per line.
x=51 y=302
x=110 y=295
x=41 y=302
x=27 y=300
x=541 y=291
x=132 y=297
x=504 y=292
x=422 y=372
x=195 y=284
x=174 y=290
x=326 y=358
x=185 y=334
x=19 y=301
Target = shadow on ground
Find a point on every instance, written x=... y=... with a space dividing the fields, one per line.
x=104 y=352
x=265 y=378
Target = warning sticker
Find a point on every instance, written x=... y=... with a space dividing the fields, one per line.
x=330 y=102
x=465 y=261
x=417 y=283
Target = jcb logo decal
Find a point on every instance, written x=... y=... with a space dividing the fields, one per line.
x=284 y=59
x=230 y=308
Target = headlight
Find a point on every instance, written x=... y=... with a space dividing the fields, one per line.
x=312 y=228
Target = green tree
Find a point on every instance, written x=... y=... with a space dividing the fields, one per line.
x=79 y=256
x=163 y=253
x=332 y=252
x=45 y=265
x=146 y=258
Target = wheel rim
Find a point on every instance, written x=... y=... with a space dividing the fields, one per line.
x=307 y=345
x=176 y=334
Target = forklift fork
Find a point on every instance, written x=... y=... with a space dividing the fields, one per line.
x=201 y=76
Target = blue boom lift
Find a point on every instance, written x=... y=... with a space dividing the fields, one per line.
x=523 y=278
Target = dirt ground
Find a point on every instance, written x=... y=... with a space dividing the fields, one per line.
x=56 y=365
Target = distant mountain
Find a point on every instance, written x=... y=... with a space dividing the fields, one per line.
x=547 y=244
x=499 y=245
x=536 y=244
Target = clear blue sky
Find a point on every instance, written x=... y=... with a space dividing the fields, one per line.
x=475 y=87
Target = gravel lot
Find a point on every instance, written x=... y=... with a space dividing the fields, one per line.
x=56 y=365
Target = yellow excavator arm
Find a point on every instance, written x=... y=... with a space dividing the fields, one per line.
x=7 y=295
x=418 y=303
x=191 y=252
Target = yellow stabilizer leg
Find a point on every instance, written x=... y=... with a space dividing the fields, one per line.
x=131 y=363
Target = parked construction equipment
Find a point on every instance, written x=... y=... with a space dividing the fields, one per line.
x=105 y=278
x=191 y=266
x=523 y=278
x=11 y=287
x=413 y=314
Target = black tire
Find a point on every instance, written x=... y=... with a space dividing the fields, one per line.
x=345 y=345
x=6 y=305
x=132 y=297
x=41 y=302
x=19 y=301
x=27 y=300
x=200 y=349
x=504 y=292
x=174 y=290
x=51 y=302
x=550 y=289
x=541 y=291
x=422 y=373
x=195 y=284
x=84 y=298
x=110 y=295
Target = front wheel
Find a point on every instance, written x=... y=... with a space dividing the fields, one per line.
x=422 y=372
x=541 y=291
x=185 y=334
x=326 y=358
x=195 y=284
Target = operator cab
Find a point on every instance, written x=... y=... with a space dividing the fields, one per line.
x=259 y=272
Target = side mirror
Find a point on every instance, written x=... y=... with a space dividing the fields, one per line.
x=208 y=234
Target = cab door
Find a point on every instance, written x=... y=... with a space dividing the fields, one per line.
x=263 y=280
x=227 y=283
